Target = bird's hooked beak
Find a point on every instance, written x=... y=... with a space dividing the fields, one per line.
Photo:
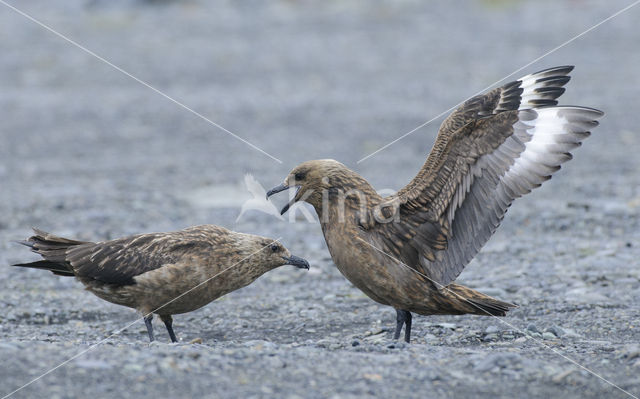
x=280 y=188
x=297 y=262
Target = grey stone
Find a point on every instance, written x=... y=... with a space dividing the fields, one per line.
x=497 y=361
x=555 y=330
x=630 y=351
x=490 y=337
x=491 y=330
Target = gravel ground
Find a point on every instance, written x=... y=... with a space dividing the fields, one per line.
x=89 y=153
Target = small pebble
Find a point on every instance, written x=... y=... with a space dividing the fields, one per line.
x=492 y=330
x=490 y=337
x=555 y=330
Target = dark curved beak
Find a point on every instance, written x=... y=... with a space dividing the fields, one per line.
x=297 y=262
x=278 y=189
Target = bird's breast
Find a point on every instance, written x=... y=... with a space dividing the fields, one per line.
x=360 y=263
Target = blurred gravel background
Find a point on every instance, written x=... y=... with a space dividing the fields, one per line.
x=89 y=153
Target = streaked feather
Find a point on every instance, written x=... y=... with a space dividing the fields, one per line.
x=493 y=149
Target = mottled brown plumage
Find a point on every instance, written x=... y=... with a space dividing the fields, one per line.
x=163 y=273
x=406 y=250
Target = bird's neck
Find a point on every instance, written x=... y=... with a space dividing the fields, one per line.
x=346 y=200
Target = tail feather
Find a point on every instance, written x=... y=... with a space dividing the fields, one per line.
x=474 y=302
x=54 y=251
x=491 y=306
x=60 y=269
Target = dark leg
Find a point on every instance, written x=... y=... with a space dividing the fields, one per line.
x=147 y=320
x=399 y=323
x=407 y=328
x=168 y=322
x=403 y=317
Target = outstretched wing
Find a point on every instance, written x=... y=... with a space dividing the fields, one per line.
x=493 y=149
x=119 y=261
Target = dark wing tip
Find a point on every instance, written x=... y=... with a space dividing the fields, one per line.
x=541 y=102
x=593 y=112
x=25 y=243
x=583 y=111
x=557 y=80
x=550 y=90
x=512 y=85
x=558 y=70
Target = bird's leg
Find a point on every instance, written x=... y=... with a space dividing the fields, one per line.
x=403 y=317
x=399 y=323
x=168 y=322
x=407 y=328
x=147 y=321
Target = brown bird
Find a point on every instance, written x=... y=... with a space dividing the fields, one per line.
x=406 y=250
x=163 y=273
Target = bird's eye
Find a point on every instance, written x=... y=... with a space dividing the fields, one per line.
x=274 y=247
x=300 y=175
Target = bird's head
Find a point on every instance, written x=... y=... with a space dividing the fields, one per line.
x=272 y=254
x=313 y=178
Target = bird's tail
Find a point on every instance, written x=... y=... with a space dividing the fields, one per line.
x=53 y=249
x=470 y=301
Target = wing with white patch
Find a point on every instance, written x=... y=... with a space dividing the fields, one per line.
x=540 y=143
x=492 y=149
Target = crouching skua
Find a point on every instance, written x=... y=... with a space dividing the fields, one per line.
x=407 y=249
x=163 y=273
